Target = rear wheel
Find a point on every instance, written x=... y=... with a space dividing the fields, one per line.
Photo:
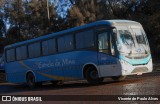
x=31 y=80
x=119 y=78
x=92 y=76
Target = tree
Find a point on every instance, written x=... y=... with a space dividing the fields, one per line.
x=29 y=18
x=2 y=27
x=85 y=11
x=151 y=23
x=14 y=14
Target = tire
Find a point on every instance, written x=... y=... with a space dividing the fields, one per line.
x=31 y=80
x=119 y=78
x=92 y=76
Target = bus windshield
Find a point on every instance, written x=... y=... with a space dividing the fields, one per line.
x=132 y=40
x=126 y=37
x=139 y=36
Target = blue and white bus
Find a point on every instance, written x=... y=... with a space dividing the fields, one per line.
x=107 y=48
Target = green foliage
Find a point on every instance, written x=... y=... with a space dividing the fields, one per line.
x=86 y=11
x=28 y=19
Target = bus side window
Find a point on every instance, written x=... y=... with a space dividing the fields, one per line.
x=65 y=43
x=103 y=43
x=49 y=47
x=84 y=39
x=34 y=50
x=21 y=52
x=10 y=55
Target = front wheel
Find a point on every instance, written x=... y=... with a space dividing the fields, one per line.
x=119 y=78
x=92 y=76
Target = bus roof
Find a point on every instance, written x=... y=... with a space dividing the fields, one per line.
x=102 y=22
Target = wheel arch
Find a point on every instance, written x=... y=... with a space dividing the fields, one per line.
x=30 y=71
x=85 y=67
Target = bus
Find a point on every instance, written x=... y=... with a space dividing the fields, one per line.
x=106 y=48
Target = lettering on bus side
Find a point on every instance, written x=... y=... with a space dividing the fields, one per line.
x=56 y=63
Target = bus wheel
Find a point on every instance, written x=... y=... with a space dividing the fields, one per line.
x=118 y=78
x=31 y=80
x=92 y=76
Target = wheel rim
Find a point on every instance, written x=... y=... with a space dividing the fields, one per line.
x=94 y=74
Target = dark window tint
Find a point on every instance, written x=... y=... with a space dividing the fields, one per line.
x=48 y=47
x=84 y=39
x=34 y=50
x=21 y=53
x=10 y=55
x=65 y=43
x=103 y=42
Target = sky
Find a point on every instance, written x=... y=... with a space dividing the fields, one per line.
x=62 y=7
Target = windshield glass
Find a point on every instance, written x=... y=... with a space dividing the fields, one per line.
x=131 y=40
x=139 y=35
x=126 y=37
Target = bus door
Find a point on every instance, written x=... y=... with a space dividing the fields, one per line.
x=106 y=54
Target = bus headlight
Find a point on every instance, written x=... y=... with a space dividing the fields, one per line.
x=124 y=62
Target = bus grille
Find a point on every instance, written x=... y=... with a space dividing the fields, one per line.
x=140 y=69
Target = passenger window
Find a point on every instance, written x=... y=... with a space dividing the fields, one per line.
x=34 y=50
x=68 y=42
x=10 y=55
x=103 y=43
x=49 y=47
x=85 y=39
x=21 y=53
x=65 y=43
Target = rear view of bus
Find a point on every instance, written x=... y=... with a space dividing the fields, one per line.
x=133 y=48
